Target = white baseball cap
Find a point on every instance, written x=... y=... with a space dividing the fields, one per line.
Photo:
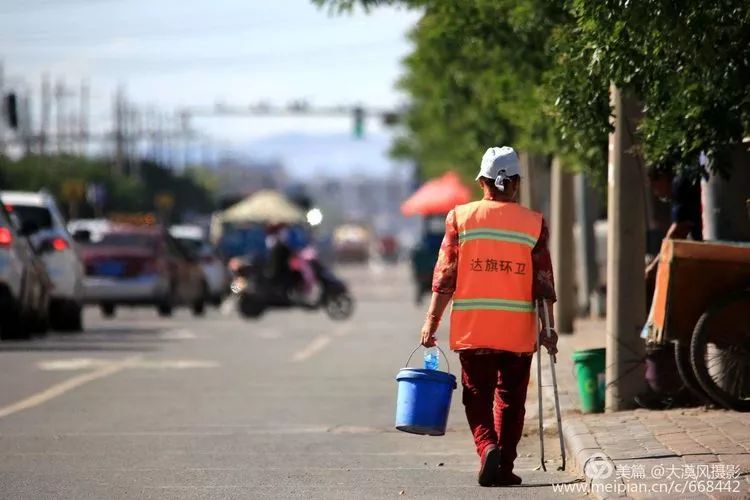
x=499 y=164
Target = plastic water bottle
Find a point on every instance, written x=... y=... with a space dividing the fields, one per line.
x=431 y=358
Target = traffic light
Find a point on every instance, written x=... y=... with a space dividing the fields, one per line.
x=359 y=122
x=11 y=110
x=391 y=119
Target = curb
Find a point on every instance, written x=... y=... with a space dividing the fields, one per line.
x=583 y=450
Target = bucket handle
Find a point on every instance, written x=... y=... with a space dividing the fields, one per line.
x=438 y=348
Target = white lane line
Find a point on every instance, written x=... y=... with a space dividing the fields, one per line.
x=73 y=364
x=176 y=364
x=178 y=334
x=65 y=386
x=319 y=343
x=86 y=363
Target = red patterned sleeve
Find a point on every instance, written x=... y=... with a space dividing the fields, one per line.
x=544 y=279
x=444 y=276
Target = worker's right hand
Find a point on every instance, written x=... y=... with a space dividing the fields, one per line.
x=549 y=342
x=428 y=335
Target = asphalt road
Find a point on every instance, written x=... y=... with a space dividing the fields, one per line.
x=291 y=406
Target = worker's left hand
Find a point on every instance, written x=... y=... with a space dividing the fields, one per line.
x=428 y=334
x=549 y=342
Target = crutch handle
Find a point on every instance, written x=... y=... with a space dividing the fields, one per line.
x=547 y=329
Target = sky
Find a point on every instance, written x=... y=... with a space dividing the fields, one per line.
x=170 y=54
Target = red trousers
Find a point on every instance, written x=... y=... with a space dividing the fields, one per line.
x=494 y=394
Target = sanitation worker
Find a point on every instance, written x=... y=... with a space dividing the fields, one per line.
x=495 y=264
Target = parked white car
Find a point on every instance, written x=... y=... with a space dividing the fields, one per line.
x=24 y=284
x=192 y=238
x=39 y=215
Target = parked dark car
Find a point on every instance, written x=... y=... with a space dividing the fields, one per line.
x=142 y=266
x=24 y=283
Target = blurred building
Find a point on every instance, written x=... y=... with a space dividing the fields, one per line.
x=370 y=200
x=238 y=177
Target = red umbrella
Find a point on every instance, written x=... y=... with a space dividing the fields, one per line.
x=437 y=196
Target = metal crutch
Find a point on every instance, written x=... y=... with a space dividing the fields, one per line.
x=552 y=361
x=539 y=392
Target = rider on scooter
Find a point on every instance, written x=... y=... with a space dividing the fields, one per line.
x=287 y=247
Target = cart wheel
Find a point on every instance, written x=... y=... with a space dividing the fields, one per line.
x=720 y=351
x=685 y=369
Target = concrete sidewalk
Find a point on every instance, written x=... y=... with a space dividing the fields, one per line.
x=678 y=453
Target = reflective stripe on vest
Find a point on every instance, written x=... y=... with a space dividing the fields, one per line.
x=498 y=235
x=496 y=304
x=493 y=304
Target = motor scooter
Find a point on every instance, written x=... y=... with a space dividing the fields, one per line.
x=256 y=291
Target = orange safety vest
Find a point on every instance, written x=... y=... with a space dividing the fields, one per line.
x=493 y=306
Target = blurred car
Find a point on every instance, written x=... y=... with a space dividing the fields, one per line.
x=24 y=284
x=214 y=271
x=89 y=230
x=388 y=248
x=142 y=265
x=351 y=243
x=42 y=221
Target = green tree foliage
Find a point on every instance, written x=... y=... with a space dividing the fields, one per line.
x=688 y=62
x=474 y=84
x=536 y=74
x=475 y=79
x=124 y=194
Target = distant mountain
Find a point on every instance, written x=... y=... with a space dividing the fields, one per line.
x=335 y=155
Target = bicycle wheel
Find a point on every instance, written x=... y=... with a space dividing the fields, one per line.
x=687 y=374
x=720 y=351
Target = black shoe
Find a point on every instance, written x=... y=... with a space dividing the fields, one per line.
x=490 y=463
x=507 y=479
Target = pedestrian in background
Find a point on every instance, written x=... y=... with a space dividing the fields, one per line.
x=494 y=263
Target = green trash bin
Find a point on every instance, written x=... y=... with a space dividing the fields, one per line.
x=589 y=370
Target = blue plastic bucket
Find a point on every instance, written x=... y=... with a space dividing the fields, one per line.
x=424 y=400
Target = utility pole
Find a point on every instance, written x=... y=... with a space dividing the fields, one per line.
x=563 y=216
x=163 y=143
x=725 y=200
x=45 y=115
x=136 y=133
x=60 y=116
x=83 y=119
x=185 y=133
x=3 y=111
x=152 y=124
x=169 y=148
x=118 y=132
x=25 y=125
x=626 y=250
x=527 y=183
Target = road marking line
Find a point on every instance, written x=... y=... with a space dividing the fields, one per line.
x=317 y=345
x=65 y=386
x=86 y=363
x=73 y=364
x=178 y=364
x=178 y=334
